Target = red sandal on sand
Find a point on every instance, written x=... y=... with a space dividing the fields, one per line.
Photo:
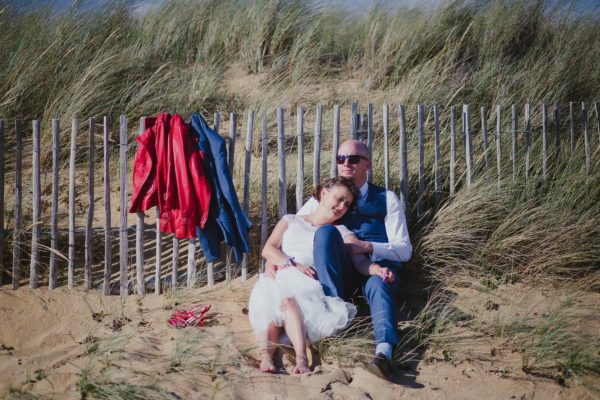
x=195 y=316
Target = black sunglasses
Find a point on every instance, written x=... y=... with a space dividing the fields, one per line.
x=352 y=159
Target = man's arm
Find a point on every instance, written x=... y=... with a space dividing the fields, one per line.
x=398 y=248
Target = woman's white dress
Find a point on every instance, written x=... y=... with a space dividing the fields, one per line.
x=323 y=315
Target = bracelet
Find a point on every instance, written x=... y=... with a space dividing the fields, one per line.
x=290 y=262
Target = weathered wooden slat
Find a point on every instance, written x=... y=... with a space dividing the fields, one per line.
x=317 y=147
x=281 y=158
x=468 y=147
x=353 y=125
x=370 y=138
x=36 y=206
x=140 y=234
x=386 y=153
x=175 y=264
x=421 y=130
x=71 y=255
x=484 y=135
x=586 y=139
x=403 y=159
x=158 y=256
x=210 y=266
x=336 y=140
x=264 y=198
x=557 y=129
x=300 y=151
x=231 y=155
x=123 y=237
x=3 y=274
x=527 y=140
x=87 y=270
x=437 y=156
x=191 y=264
x=499 y=142
x=54 y=204
x=247 y=163
x=544 y=141
x=572 y=125
x=452 y=151
x=597 y=107
x=515 y=127
x=16 y=264
x=107 y=211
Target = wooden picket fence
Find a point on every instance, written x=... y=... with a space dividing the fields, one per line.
x=362 y=126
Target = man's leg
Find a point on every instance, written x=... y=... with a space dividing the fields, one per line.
x=332 y=261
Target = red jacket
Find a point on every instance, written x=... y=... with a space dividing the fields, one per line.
x=168 y=172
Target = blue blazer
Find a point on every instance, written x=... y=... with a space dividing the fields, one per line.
x=226 y=219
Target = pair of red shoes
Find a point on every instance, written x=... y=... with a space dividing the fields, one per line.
x=195 y=316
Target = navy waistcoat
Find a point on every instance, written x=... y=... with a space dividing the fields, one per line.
x=368 y=221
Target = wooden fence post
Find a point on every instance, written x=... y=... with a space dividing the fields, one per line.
x=353 y=127
x=281 y=159
x=557 y=129
x=421 y=128
x=484 y=134
x=597 y=107
x=175 y=264
x=300 y=151
x=71 y=261
x=90 y=212
x=16 y=264
x=572 y=124
x=403 y=159
x=370 y=138
x=140 y=234
x=544 y=141
x=386 y=153
x=317 y=147
x=586 y=139
x=437 y=157
x=3 y=272
x=107 y=212
x=247 y=162
x=191 y=263
x=54 y=206
x=123 y=234
x=229 y=251
x=468 y=147
x=264 y=199
x=336 y=140
x=515 y=125
x=452 y=151
x=210 y=266
x=527 y=139
x=36 y=206
x=499 y=142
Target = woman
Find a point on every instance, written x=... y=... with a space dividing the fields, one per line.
x=293 y=299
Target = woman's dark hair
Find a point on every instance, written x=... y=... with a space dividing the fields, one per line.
x=338 y=181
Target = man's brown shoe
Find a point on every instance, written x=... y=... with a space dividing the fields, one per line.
x=380 y=366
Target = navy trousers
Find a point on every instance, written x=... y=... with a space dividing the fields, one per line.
x=339 y=278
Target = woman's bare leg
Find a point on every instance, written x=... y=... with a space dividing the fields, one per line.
x=267 y=344
x=294 y=327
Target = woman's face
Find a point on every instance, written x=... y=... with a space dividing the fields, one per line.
x=336 y=201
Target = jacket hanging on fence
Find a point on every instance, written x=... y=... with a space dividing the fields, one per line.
x=226 y=219
x=169 y=172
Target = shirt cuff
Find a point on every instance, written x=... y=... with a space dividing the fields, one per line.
x=379 y=250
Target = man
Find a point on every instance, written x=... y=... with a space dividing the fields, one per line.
x=381 y=233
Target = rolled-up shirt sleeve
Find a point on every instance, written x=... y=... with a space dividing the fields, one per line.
x=398 y=248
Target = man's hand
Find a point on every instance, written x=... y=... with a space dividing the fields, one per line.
x=357 y=246
x=385 y=273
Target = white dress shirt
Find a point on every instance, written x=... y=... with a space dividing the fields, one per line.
x=398 y=248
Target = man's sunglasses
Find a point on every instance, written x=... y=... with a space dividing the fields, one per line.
x=352 y=159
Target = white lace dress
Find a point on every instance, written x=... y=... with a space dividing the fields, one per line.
x=323 y=315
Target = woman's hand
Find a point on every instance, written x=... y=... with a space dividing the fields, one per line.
x=385 y=273
x=306 y=270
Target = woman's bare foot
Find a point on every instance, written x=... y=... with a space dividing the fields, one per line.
x=301 y=365
x=266 y=363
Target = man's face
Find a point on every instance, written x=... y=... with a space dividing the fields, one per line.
x=358 y=171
